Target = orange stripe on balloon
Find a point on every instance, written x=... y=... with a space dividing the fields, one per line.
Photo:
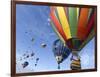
x=57 y=25
x=83 y=19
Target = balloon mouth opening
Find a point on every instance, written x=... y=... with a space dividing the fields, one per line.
x=74 y=44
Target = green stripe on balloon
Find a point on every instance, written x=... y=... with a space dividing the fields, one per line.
x=73 y=21
x=76 y=43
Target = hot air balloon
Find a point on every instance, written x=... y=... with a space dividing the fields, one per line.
x=32 y=39
x=32 y=54
x=25 y=64
x=43 y=45
x=37 y=59
x=61 y=52
x=75 y=27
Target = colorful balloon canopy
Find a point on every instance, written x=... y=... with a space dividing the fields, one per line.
x=74 y=26
x=61 y=52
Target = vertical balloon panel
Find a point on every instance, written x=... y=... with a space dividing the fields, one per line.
x=64 y=21
x=73 y=21
x=82 y=22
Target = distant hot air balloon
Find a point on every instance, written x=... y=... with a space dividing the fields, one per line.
x=27 y=56
x=43 y=45
x=37 y=59
x=32 y=39
x=32 y=54
x=25 y=64
x=61 y=52
x=74 y=26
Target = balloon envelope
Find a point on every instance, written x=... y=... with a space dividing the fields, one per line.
x=60 y=51
x=74 y=26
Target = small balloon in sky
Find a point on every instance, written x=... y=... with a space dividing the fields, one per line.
x=25 y=64
x=37 y=59
x=32 y=39
x=43 y=45
x=35 y=65
x=32 y=54
x=27 y=56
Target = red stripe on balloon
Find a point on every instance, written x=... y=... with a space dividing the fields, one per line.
x=90 y=24
x=57 y=25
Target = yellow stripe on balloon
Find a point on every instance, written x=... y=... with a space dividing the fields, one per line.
x=64 y=22
x=56 y=31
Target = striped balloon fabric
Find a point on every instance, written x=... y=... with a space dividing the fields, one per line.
x=61 y=52
x=75 y=26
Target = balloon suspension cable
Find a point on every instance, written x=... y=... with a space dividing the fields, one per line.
x=58 y=66
x=76 y=63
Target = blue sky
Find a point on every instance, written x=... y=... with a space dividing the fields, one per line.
x=33 y=22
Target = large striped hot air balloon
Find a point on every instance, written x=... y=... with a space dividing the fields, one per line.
x=75 y=28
